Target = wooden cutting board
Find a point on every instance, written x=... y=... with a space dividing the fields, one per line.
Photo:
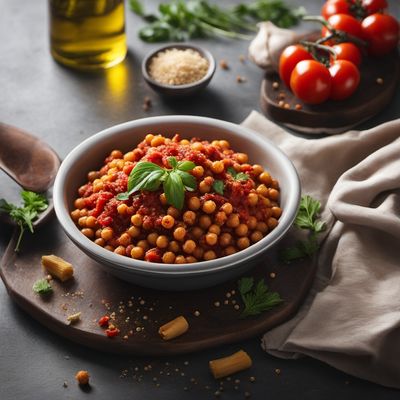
x=378 y=84
x=139 y=311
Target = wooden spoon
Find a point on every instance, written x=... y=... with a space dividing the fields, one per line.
x=30 y=162
x=26 y=159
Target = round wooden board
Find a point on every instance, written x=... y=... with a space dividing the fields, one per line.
x=94 y=293
x=334 y=117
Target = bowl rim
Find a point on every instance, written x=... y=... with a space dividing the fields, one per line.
x=202 y=51
x=149 y=268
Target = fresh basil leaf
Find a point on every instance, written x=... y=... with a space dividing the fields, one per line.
x=141 y=170
x=188 y=180
x=123 y=196
x=174 y=190
x=241 y=176
x=185 y=165
x=218 y=186
x=149 y=180
x=172 y=162
x=231 y=171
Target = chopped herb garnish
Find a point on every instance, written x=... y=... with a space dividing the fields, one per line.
x=238 y=176
x=42 y=287
x=307 y=218
x=256 y=298
x=149 y=176
x=218 y=186
x=33 y=204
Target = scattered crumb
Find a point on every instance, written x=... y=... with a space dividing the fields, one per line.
x=247 y=394
x=49 y=278
x=224 y=64
x=74 y=317
x=379 y=81
x=147 y=103
x=242 y=58
x=217 y=304
x=277 y=371
x=275 y=85
x=281 y=103
x=240 y=79
x=281 y=95
x=236 y=306
x=82 y=377
x=252 y=379
x=197 y=313
x=272 y=275
x=298 y=107
x=287 y=106
x=65 y=384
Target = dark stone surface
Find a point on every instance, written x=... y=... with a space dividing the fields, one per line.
x=64 y=107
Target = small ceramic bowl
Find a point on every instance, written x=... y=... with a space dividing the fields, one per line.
x=90 y=154
x=179 y=90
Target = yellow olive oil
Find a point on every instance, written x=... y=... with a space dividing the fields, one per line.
x=87 y=34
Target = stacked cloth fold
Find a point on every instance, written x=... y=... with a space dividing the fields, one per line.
x=351 y=317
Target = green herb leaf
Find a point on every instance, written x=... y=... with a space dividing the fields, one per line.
x=241 y=176
x=185 y=165
x=189 y=181
x=42 y=287
x=231 y=171
x=172 y=162
x=174 y=190
x=143 y=173
x=218 y=186
x=256 y=299
x=137 y=7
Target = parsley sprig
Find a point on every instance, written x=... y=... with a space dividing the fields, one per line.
x=307 y=218
x=256 y=298
x=42 y=287
x=237 y=176
x=149 y=176
x=33 y=204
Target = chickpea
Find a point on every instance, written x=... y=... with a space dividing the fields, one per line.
x=242 y=230
x=233 y=221
x=198 y=252
x=243 y=243
x=152 y=238
x=157 y=141
x=163 y=199
x=147 y=224
x=137 y=252
x=129 y=156
x=174 y=246
x=134 y=231
x=227 y=208
x=149 y=138
x=214 y=229
x=197 y=232
x=137 y=220
x=97 y=185
x=168 y=257
x=262 y=227
x=120 y=250
x=82 y=377
x=191 y=259
x=224 y=144
x=189 y=217
x=116 y=154
x=179 y=233
x=184 y=142
x=204 y=221
x=101 y=242
x=173 y=212
x=242 y=158
x=121 y=209
x=215 y=143
x=83 y=212
x=92 y=175
x=75 y=215
x=225 y=239
x=189 y=246
x=265 y=201
x=217 y=167
x=107 y=233
x=272 y=223
x=204 y=187
x=209 y=206
x=79 y=203
x=257 y=169
x=88 y=232
x=275 y=184
x=262 y=190
x=98 y=233
x=209 y=255
x=109 y=248
x=220 y=218
x=256 y=236
x=82 y=221
x=194 y=203
x=229 y=250
x=252 y=198
x=198 y=171
x=276 y=212
x=197 y=146
x=180 y=259
x=162 y=242
x=143 y=244
x=168 y=221
x=265 y=178
x=209 y=180
x=273 y=194
x=124 y=239
x=211 y=239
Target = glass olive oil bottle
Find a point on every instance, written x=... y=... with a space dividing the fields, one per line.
x=87 y=34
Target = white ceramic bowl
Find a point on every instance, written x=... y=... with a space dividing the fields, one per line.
x=90 y=154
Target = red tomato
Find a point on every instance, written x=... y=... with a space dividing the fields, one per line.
x=332 y=7
x=153 y=255
x=348 y=51
x=382 y=33
x=345 y=23
x=345 y=79
x=288 y=60
x=311 y=82
x=374 y=6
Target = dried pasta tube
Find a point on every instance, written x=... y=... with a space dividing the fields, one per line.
x=229 y=365
x=58 y=267
x=174 y=328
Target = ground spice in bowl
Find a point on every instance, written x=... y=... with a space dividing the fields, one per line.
x=178 y=66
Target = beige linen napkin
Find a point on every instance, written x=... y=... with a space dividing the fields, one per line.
x=351 y=318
